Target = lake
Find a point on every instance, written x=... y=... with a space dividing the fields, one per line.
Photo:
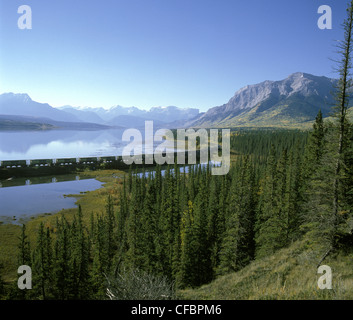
x=22 y=197
x=56 y=144
x=24 y=201
x=52 y=144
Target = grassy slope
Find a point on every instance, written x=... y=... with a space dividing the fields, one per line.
x=290 y=273
x=9 y=235
x=270 y=118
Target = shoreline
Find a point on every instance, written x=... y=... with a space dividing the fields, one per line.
x=91 y=201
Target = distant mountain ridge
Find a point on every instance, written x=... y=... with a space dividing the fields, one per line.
x=159 y=114
x=296 y=99
x=21 y=104
x=19 y=108
x=41 y=123
x=290 y=102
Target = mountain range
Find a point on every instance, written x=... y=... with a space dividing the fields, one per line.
x=20 y=108
x=162 y=114
x=291 y=102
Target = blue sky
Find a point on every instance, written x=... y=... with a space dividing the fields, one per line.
x=146 y=53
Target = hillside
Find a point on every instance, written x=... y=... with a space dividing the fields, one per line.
x=8 y=124
x=290 y=273
x=18 y=122
x=22 y=105
x=291 y=102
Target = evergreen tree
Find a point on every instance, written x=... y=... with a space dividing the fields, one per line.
x=214 y=229
x=294 y=194
x=133 y=257
x=202 y=267
x=187 y=275
x=328 y=203
x=62 y=260
x=122 y=214
x=340 y=212
x=149 y=222
x=111 y=224
x=42 y=268
x=80 y=258
x=238 y=245
x=24 y=257
x=267 y=220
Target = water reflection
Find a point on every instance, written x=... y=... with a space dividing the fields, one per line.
x=19 y=202
x=184 y=169
x=15 y=182
x=49 y=144
x=56 y=144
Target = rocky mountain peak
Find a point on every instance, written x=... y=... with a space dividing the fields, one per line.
x=299 y=95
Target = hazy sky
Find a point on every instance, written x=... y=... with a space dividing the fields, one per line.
x=145 y=53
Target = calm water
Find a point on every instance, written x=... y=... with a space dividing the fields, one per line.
x=181 y=169
x=24 y=201
x=21 y=197
x=53 y=144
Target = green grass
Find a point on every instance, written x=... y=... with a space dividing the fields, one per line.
x=289 y=274
x=9 y=235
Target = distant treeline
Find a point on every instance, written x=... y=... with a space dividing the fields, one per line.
x=46 y=167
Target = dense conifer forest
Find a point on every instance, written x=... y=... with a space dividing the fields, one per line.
x=189 y=228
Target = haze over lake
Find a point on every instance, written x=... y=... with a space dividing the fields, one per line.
x=52 y=144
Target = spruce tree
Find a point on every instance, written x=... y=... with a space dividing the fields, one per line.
x=187 y=275
x=42 y=267
x=266 y=226
x=62 y=260
x=24 y=258
x=80 y=258
x=238 y=245
x=328 y=205
x=340 y=212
